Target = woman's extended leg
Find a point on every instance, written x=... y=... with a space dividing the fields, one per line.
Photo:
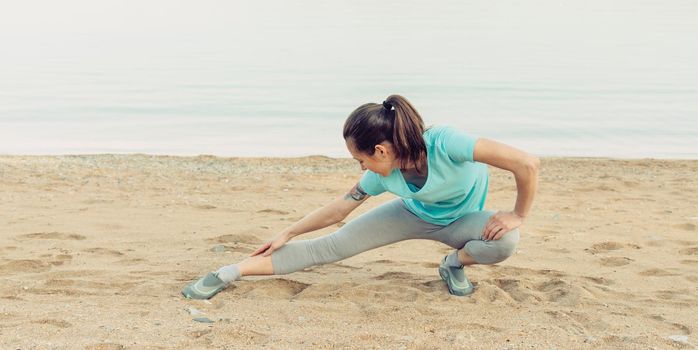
x=389 y=223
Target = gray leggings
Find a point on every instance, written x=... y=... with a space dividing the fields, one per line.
x=389 y=223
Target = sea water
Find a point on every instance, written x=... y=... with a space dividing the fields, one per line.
x=592 y=78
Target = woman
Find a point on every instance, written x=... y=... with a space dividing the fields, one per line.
x=441 y=177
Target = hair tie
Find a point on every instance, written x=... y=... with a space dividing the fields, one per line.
x=387 y=105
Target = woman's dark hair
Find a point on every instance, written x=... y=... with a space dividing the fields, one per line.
x=373 y=123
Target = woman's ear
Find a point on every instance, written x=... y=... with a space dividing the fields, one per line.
x=381 y=150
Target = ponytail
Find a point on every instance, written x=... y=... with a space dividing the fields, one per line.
x=396 y=121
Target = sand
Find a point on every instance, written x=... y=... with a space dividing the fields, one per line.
x=94 y=251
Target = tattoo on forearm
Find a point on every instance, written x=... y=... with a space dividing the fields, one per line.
x=357 y=193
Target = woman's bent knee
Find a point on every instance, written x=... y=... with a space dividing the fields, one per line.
x=492 y=252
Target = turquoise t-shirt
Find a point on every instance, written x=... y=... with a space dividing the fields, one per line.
x=455 y=185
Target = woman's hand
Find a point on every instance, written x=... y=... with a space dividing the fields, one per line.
x=501 y=223
x=274 y=244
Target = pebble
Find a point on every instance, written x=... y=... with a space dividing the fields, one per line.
x=679 y=338
x=556 y=217
x=193 y=311
x=203 y=320
x=590 y=339
x=218 y=248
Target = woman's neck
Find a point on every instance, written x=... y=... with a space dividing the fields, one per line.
x=412 y=167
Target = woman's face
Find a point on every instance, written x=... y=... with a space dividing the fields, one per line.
x=382 y=162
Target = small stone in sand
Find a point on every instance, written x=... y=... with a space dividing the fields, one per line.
x=193 y=311
x=218 y=248
x=590 y=339
x=679 y=338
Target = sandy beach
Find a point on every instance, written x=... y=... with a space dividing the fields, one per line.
x=94 y=251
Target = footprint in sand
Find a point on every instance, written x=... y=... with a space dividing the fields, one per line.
x=682 y=328
x=80 y=287
x=234 y=248
x=689 y=262
x=560 y=250
x=489 y=293
x=615 y=261
x=520 y=271
x=382 y=261
x=235 y=238
x=273 y=211
x=383 y=290
x=103 y=251
x=430 y=265
x=679 y=295
x=51 y=235
x=54 y=322
x=318 y=291
x=521 y=285
x=24 y=266
x=562 y=292
x=656 y=272
x=198 y=333
x=516 y=289
x=693 y=279
x=277 y=288
x=604 y=247
x=689 y=251
x=686 y=227
x=599 y=280
x=397 y=276
x=57 y=260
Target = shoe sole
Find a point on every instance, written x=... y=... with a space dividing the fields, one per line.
x=445 y=275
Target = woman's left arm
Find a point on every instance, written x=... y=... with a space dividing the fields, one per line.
x=525 y=168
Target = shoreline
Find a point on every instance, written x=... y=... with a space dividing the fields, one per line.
x=204 y=155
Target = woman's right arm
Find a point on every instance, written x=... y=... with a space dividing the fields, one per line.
x=330 y=214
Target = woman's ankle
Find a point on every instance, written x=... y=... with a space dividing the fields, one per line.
x=229 y=273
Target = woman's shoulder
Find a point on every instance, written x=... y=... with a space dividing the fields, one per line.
x=452 y=141
x=439 y=131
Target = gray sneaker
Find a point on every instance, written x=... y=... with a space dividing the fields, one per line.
x=205 y=287
x=455 y=279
